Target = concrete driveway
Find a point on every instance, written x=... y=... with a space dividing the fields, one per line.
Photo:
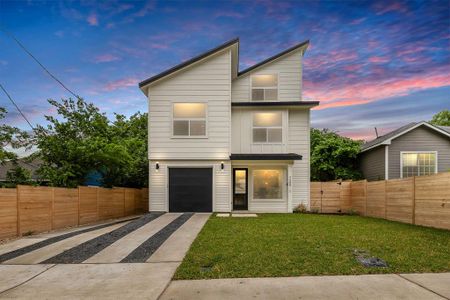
x=123 y=259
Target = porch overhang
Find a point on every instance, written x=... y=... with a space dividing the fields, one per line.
x=268 y=156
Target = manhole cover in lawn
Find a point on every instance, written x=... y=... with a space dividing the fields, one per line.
x=366 y=260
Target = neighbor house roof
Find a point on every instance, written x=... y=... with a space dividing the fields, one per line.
x=387 y=138
x=32 y=166
x=216 y=50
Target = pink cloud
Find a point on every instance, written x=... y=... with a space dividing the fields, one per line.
x=391 y=7
x=365 y=92
x=92 y=19
x=230 y=14
x=353 y=68
x=378 y=59
x=103 y=58
x=357 y=21
x=121 y=83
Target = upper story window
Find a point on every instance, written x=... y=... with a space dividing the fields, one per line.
x=189 y=119
x=418 y=163
x=265 y=87
x=267 y=127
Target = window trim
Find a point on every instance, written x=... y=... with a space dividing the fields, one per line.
x=265 y=127
x=418 y=152
x=192 y=119
x=251 y=87
x=283 y=183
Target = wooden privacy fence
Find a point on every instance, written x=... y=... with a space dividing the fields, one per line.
x=422 y=200
x=27 y=209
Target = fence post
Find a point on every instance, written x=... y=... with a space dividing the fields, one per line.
x=321 y=195
x=414 y=201
x=18 y=209
x=385 y=198
x=365 y=196
x=53 y=208
x=78 y=187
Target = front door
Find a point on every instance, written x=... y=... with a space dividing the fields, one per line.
x=240 y=189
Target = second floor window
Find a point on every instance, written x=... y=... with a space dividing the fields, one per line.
x=189 y=119
x=264 y=87
x=267 y=127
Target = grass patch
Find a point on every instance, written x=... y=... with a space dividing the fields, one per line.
x=308 y=244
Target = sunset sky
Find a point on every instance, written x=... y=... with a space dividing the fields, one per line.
x=370 y=64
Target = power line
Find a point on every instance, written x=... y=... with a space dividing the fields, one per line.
x=35 y=59
x=14 y=103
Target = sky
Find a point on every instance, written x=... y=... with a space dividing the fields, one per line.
x=370 y=63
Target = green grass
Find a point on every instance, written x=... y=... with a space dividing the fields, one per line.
x=308 y=244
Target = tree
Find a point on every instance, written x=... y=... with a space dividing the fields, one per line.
x=12 y=137
x=18 y=175
x=442 y=118
x=81 y=141
x=333 y=156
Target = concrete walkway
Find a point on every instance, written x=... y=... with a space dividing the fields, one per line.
x=101 y=276
x=387 y=286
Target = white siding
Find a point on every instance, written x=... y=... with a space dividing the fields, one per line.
x=289 y=70
x=242 y=132
x=158 y=190
x=208 y=81
x=299 y=143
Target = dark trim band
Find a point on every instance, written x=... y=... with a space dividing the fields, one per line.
x=269 y=156
x=276 y=103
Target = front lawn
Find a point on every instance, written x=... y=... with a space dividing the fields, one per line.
x=302 y=244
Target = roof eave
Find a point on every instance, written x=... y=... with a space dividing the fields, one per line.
x=145 y=83
x=303 y=45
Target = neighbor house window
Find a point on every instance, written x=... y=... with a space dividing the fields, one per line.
x=418 y=163
x=189 y=119
x=267 y=127
x=264 y=87
x=267 y=184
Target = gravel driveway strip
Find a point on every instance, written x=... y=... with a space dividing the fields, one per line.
x=52 y=240
x=146 y=249
x=85 y=250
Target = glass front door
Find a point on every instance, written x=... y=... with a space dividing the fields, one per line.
x=240 y=189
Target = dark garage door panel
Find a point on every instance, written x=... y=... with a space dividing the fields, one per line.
x=190 y=189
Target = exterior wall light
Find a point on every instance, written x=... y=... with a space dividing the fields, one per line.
x=222 y=166
x=157 y=165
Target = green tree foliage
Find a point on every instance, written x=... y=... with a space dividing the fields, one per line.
x=81 y=140
x=333 y=156
x=442 y=118
x=12 y=137
x=18 y=175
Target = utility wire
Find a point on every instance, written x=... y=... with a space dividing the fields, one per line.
x=35 y=59
x=14 y=103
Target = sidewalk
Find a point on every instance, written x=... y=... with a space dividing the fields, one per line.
x=386 y=286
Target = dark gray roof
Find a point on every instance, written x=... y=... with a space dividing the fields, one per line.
x=188 y=62
x=378 y=141
x=445 y=128
x=271 y=156
x=387 y=136
x=276 y=103
x=24 y=163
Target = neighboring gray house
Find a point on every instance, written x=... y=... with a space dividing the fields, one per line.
x=31 y=166
x=412 y=150
x=221 y=139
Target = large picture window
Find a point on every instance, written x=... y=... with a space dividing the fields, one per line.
x=267 y=127
x=264 y=87
x=267 y=184
x=189 y=119
x=418 y=163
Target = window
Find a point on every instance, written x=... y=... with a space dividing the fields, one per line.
x=267 y=127
x=267 y=184
x=418 y=163
x=264 y=87
x=189 y=119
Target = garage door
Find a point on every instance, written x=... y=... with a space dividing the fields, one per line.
x=190 y=189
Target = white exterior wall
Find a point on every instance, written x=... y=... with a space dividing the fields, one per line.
x=299 y=142
x=289 y=70
x=242 y=132
x=208 y=81
x=159 y=180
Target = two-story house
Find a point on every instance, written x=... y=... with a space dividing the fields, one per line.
x=223 y=140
